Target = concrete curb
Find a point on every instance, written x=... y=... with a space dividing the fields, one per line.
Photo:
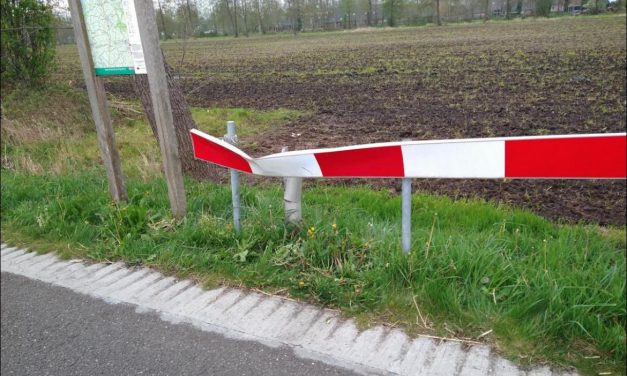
x=312 y=332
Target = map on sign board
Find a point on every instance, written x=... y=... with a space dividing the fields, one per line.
x=113 y=33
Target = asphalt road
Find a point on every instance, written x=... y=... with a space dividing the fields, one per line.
x=49 y=330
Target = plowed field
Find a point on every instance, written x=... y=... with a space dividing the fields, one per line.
x=529 y=77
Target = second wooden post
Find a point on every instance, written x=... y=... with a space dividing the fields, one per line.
x=159 y=93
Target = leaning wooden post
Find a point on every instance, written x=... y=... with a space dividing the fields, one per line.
x=160 y=96
x=99 y=106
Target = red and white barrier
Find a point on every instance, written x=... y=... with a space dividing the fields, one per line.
x=593 y=156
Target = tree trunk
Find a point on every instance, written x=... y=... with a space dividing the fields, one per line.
x=299 y=19
x=369 y=15
x=392 y=21
x=486 y=14
x=438 y=21
x=329 y=14
x=235 y=18
x=232 y=18
x=183 y=122
x=519 y=8
x=165 y=33
x=245 y=12
x=189 y=16
x=508 y=10
x=262 y=30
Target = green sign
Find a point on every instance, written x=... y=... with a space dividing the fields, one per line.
x=113 y=34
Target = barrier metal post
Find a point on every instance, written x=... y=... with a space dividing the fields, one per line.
x=231 y=138
x=406 y=215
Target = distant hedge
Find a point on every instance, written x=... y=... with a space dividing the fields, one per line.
x=28 y=40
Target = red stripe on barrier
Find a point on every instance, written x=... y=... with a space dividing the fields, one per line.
x=368 y=162
x=211 y=152
x=581 y=157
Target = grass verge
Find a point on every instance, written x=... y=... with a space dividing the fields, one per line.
x=548 y=292
x=51 y=130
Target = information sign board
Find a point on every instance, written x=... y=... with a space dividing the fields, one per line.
x=113 y=33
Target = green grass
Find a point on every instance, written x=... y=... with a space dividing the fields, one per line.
x=248 y=121
x=549 y=292
x=51 y=130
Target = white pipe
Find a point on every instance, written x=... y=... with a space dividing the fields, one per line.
x=292 y=197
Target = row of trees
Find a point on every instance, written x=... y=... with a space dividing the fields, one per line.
x=197 y=18
x=181 y=18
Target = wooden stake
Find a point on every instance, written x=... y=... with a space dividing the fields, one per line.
x=160 y=96
x=99 y=106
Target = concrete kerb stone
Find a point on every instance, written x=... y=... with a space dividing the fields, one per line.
x=311 y=332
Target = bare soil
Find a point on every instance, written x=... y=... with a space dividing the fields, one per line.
x=532 y=77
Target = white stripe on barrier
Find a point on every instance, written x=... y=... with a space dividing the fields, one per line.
x=455 y=160
x=592 y=156
x=303 y=165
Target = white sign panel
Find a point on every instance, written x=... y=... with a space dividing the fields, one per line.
x=113 y=33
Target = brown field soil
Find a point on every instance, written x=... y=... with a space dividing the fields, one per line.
x=524 y=77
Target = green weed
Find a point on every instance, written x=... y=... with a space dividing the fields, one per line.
x=51 y=130
x=247 y=121
x=547 y=291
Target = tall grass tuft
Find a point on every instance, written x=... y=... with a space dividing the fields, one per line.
x=546 y=291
